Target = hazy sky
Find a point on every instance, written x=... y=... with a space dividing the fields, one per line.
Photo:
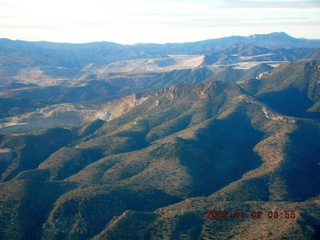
x=158 y=21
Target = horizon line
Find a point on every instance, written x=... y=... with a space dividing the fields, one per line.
x=141 y=43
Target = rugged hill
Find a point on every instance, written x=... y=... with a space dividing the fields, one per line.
x=41 y=106
x=277 y=89
x=232 y=74
x=155 y=171
x=46 y=63
x=244 y=56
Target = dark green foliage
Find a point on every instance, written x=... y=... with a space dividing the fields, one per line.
x=254 y=72
x=179 y=76
x=100 y=206
x=303 y=162
x=130 y=225
x=154 y=172
x=90 y=128
x=34 y=149
x=77 y=163
x=11 y=107
x=188 y=225
x=290 y=102
x=228 y=74
x=291 y=90
x=220 y=156
x=23 y=217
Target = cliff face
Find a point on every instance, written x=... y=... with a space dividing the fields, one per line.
x=121 y=106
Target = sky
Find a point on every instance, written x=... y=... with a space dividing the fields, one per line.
x=155 y=21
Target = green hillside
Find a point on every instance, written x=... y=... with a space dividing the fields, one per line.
x=165 y=168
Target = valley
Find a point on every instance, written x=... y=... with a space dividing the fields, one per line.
x=141 y=141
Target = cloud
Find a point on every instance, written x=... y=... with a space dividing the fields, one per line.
x=156 y=20
x=271 y=4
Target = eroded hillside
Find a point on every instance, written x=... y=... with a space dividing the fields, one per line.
x=169 y=157
x=216 y=139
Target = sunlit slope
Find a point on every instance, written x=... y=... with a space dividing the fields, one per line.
x=153 y=172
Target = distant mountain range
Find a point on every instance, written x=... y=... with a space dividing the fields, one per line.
x=78 y=55
x=217 y=139
x=46 y=63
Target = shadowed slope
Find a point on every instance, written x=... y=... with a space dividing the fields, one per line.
x=153 y=172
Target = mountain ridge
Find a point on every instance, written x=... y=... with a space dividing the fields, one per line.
x=161 y=155
x=184 y=150
x=279 y=40
x=272 y=35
